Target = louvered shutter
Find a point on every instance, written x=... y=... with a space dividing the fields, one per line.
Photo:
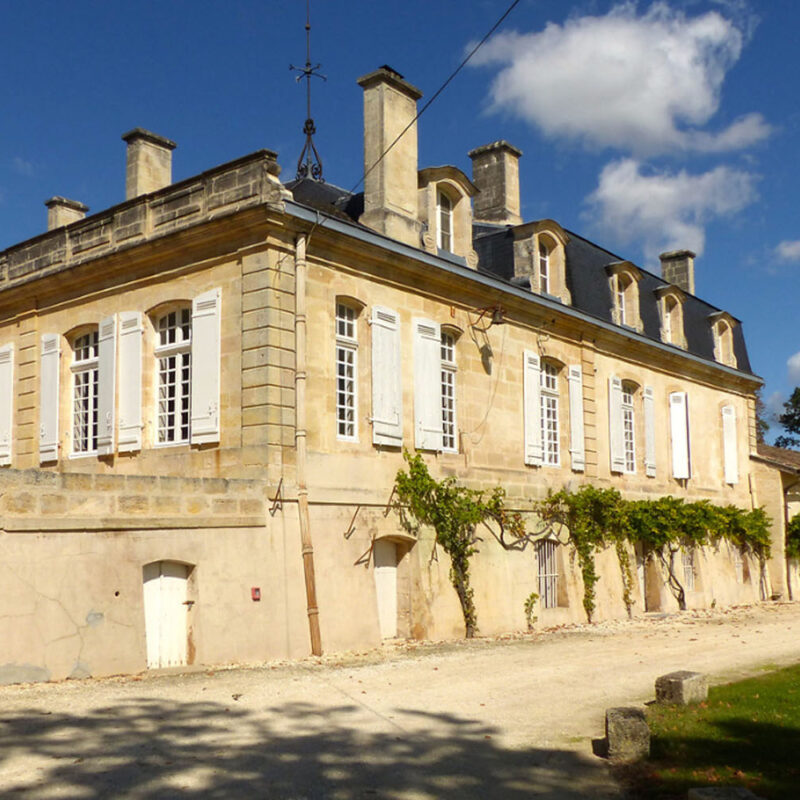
x=48 y=397
x=205 y=367
x=427 y=385
x=106 y=384
x=130 y=381
x=6 y=403
x=729 y=444
x=577 y=448
x=531 y=366
x=616 y=435
x=649 y=433
x=387 y=387
x=679 y=429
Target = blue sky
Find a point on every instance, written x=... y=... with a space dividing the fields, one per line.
x=644 y=126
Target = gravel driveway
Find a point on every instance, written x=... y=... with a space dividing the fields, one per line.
x=500 y=718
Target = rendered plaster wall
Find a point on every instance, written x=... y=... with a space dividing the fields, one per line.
x=72 y=604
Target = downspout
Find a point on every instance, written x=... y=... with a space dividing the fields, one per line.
x=300 y=444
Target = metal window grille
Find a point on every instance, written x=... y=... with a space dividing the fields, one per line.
x=628 y=430
x=548 y=400
x=738 y=564
x=448 y=355
x=444 y=229
x=174 y=364
x=547 y=557
x=544 y=269
x=84 y=393
x=346 y=370
x=687 y=557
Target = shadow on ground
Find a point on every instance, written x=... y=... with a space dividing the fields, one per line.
x=160 y=749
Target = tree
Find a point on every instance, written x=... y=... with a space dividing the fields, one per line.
x=790 y=420
x=762 y=426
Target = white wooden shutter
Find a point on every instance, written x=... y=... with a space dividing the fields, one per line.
x=6 y=403
x=205 y=367
x=531 y=366
x=649 y=433
x=130 y=381
x=616 y=437
x=577 y=448
x=387 y=387
x=106 y=384
x=679 y=428
x=427 y=385
x=729 y=444
x=48 y=397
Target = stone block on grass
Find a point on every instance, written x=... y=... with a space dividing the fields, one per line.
x=627 y=734
x=682 y=688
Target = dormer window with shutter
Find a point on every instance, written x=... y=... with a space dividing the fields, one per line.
x=670 y=311
x=722 y=325
x=623 y=281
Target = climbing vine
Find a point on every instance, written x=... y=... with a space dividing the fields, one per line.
x=596 y=518
x=454 y=512
x=793 y=537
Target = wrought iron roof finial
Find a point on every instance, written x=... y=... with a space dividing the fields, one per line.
x=309 y=165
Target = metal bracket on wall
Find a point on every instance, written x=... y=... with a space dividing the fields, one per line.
x=351 y=528
x=389 y=502
x=277 y=501
x=365 y=556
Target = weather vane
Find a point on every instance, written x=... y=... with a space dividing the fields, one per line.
x=309 y=165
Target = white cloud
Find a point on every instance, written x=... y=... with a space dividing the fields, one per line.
x=665 y=210
x=788 y=251
x=793 y=368
x=22 y=166
x=774 y=406
x=642 y=82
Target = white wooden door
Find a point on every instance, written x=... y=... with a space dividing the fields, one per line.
x=165 y=611
x=385 y=557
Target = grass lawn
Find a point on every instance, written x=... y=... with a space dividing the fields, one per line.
x=746 y=734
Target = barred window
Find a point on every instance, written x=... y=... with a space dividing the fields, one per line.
x=448 y=392
x=549 y=414
x=622 y=286
x=84 y=392
x=547 y=558
x=346 y=372
x=544 y=269
x=628 y=427
x=687 y=558
x=174 y=366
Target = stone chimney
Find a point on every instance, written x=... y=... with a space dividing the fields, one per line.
x=390 y=188
x=495 y=171
x=677 y=267
x=149 y=166
x=61 y=212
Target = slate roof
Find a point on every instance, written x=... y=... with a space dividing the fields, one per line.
x=787 y=460
x=586 y=275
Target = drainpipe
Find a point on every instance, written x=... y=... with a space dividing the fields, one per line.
x=300 y=444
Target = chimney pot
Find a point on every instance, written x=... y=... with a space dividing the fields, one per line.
x=495 y=171
x=149 y=162
x=61 y=212
x=677 y=267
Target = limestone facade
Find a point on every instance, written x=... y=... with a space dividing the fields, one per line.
x=316 y=346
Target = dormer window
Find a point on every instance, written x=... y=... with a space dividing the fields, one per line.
x=670 y=311
x=540 y=255
x=544 y=267
x=722 y=325
x=624 y=284
x=444 y=222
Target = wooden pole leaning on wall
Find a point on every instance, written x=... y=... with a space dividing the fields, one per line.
x=300 y=444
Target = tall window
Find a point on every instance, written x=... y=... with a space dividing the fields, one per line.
x=622 y=285
x=84 y=393
x=544 y=268
x=687 y=558
x=547 y=558
x=444 y=228
x=346 y=372
x=549 y=413
x=628 y=429
x=669 y=308
x=448 y=392
x=173 y=354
